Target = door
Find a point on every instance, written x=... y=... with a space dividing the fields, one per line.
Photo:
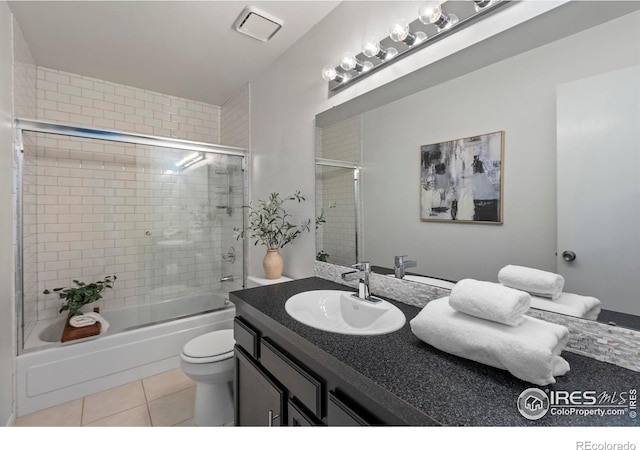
x=598 y=129
x=259 y=400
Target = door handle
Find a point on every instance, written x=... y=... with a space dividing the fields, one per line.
x=568 y=255
x=272 y=417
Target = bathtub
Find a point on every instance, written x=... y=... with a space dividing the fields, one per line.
x=56 y=373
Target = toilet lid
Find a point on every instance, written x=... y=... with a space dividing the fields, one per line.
x=210 y=344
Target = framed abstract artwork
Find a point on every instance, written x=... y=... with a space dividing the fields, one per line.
x=461 y=180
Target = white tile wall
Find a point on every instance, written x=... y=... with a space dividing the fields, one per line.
x=72 y=98
x=334 y=186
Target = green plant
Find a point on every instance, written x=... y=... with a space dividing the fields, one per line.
x=322 y=256
x=83 y=294
x=321 y=220
x=269 y=223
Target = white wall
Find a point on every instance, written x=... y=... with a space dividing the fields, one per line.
x=288 y=95
x=7 y=313
x=517 y=96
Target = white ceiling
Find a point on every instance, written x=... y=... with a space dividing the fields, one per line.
x=184 y=48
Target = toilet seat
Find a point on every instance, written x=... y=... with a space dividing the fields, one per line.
x=209 y=348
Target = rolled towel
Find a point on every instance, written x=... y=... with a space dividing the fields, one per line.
x=534 y=281
x=97 y=317
x=570 y=304
x=530 y=351
x=491 y=301
x=81 y=320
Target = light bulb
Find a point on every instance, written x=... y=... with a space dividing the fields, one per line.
x=429 y=12
x=348 y=61
x=329 y=73
x=399 y=31
x=371 y=47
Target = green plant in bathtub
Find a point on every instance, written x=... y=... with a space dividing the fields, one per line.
x=83 y=294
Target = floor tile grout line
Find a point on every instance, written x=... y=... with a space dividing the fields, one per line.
x=146 y=400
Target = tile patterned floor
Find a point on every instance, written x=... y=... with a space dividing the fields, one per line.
x=162 y=400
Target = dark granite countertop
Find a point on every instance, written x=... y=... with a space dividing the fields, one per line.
x=445 y=388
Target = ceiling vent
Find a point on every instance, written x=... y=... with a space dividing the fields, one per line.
x=257 y=24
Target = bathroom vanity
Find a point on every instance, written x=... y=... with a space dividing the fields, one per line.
x=291 y=374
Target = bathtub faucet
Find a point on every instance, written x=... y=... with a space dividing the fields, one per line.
x=227 y=278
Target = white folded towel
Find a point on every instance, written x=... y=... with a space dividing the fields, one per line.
x=534 y=281
x=89 y=318
x=491 y=301
x=81 y=320
x=570 y=304
x=530 y=351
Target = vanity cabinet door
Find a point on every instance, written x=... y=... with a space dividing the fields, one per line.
x=259 y=400
x=342 y=414
x=297 y=417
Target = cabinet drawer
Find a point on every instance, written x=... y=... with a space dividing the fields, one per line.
x=299 y=382
x=246 y=337
x=341 y=414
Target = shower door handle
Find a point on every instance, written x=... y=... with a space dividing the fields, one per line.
x=272 y=417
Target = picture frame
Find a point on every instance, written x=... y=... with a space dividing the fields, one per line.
x=462 y=180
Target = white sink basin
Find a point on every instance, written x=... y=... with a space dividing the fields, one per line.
x=340 y=312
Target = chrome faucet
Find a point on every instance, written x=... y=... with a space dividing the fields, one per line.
x=400 y=264
x=363 y=275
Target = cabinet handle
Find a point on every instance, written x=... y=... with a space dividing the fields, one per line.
x=272 y=417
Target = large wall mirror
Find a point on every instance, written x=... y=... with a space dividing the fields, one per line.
x=569 y=109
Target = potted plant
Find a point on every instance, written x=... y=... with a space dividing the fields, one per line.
x=269 y=224
x=82 y=294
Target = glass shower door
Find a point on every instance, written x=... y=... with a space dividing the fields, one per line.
x=160 y=219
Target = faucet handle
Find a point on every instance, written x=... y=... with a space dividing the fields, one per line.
x=365 y=266
x=399 y=260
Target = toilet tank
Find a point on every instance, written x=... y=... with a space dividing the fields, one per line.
x=256 y=281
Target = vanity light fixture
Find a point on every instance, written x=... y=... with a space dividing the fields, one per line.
x=350 y=62
x=431 y=13
x=436 y=20
x=329 y=73
x=373 y=49
x=481 y=4
x=401 y=32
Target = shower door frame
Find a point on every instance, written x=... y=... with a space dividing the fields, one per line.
x=43 y=126
x=357 y=170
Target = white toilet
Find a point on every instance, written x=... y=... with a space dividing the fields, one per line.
x=208 y=360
